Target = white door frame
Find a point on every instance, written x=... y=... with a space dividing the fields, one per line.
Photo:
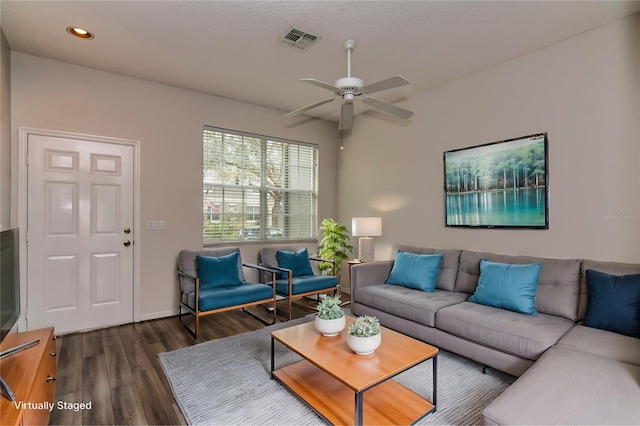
x=23 y=137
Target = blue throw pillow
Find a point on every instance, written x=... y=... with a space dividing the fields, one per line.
x=297 y=261
x=613 y=303
x=418 y=271
x=218 y=271
x=508 y=286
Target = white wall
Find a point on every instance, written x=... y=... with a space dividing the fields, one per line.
x=168 y=121
x=584 y=91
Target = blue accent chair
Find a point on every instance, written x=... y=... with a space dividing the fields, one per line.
x=199 y=300
x=291 y=287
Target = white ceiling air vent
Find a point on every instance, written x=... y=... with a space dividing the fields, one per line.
x=298 y=38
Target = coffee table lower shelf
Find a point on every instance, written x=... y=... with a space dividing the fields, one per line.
x=386 y=403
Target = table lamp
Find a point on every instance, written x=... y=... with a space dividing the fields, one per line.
x=365 y=228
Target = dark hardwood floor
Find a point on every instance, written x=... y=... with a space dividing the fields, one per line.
x=117 y=368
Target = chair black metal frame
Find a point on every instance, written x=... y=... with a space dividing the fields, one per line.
x=198 y=314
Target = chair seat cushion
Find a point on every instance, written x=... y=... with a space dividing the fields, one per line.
x=526 y=336
x=223 y=297
x=306 y=284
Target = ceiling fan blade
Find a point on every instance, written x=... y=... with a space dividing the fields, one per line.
x=308 y=107
x=387 y=107
x=389 y=83
x=322 y=84
x=346 y=117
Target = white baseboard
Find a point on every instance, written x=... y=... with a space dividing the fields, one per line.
x=156 y=315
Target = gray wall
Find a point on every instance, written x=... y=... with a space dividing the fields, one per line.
x=5 y=134
x=168 y=121
x=584 y=91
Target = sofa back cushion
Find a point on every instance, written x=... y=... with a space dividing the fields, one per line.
x=613 y=268
x=613 y=302
x=448 y=269
x=558 y=285
x=508 y=286
x=417 y=271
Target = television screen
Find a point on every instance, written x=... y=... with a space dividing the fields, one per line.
x=501 y=184
x=9 y=281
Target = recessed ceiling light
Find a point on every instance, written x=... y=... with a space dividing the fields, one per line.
x=80 y=33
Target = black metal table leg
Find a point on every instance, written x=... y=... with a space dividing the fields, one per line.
x=359 y=409
x=273 y=361
x=435 y=383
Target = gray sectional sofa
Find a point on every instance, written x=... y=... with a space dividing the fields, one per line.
x=568 y=373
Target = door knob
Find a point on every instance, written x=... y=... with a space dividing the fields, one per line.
x=127 y=243
x=127 y=230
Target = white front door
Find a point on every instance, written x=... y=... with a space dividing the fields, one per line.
x=79 y=233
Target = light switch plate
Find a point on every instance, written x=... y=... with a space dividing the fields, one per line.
x=156 y=225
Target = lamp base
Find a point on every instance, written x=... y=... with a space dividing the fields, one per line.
x=365 y=249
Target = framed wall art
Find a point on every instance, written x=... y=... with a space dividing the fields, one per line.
x=502 y=184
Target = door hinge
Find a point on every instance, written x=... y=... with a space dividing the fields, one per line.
x=26 y=236
x=26 y=159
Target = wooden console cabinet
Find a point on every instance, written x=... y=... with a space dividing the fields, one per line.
x=31 y=374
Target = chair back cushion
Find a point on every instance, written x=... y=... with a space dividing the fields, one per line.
x=187 y=264
x=297 y=261
x=220 y=271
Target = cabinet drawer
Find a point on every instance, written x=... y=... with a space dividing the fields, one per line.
x=44 y=387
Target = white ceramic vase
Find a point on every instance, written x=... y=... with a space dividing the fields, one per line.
x=330 y=327
x=364 y=345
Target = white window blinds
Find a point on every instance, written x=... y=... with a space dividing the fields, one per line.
x=258 y=188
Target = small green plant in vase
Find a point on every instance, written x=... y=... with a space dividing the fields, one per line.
x=329 y=307
x=364 y=335
x=330 y=319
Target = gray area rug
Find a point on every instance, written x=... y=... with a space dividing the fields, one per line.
x=227 y=382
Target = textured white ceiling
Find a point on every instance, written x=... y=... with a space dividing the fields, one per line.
x=230 y=49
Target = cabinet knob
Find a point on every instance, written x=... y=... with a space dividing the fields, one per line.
x=50 y=379
x=52 y=354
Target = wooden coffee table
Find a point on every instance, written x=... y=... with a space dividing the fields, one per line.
x=331 y=374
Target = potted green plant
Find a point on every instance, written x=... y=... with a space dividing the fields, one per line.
x=333 y=246
x=364 y=335
x=330 y=319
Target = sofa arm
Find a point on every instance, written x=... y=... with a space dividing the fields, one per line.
x=364 y=274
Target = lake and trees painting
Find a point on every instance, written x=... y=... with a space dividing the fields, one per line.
x=500 y=184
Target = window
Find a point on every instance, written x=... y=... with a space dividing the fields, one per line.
x=258 y=188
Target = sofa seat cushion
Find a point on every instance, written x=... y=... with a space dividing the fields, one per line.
x=305 y=284
x=604 y=343
x=522 y=335
x=569 y=386
x=407 y=303
x=223 y=297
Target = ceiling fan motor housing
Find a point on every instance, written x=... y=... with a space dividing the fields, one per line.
x=349 y=88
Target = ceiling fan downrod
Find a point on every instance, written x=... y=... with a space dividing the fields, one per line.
x=349 y=85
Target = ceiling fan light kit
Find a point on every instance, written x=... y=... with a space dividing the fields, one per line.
x=351 y=88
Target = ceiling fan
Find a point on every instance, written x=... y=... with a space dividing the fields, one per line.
x=351 y=88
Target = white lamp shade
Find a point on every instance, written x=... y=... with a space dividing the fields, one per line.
x=366 y=226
